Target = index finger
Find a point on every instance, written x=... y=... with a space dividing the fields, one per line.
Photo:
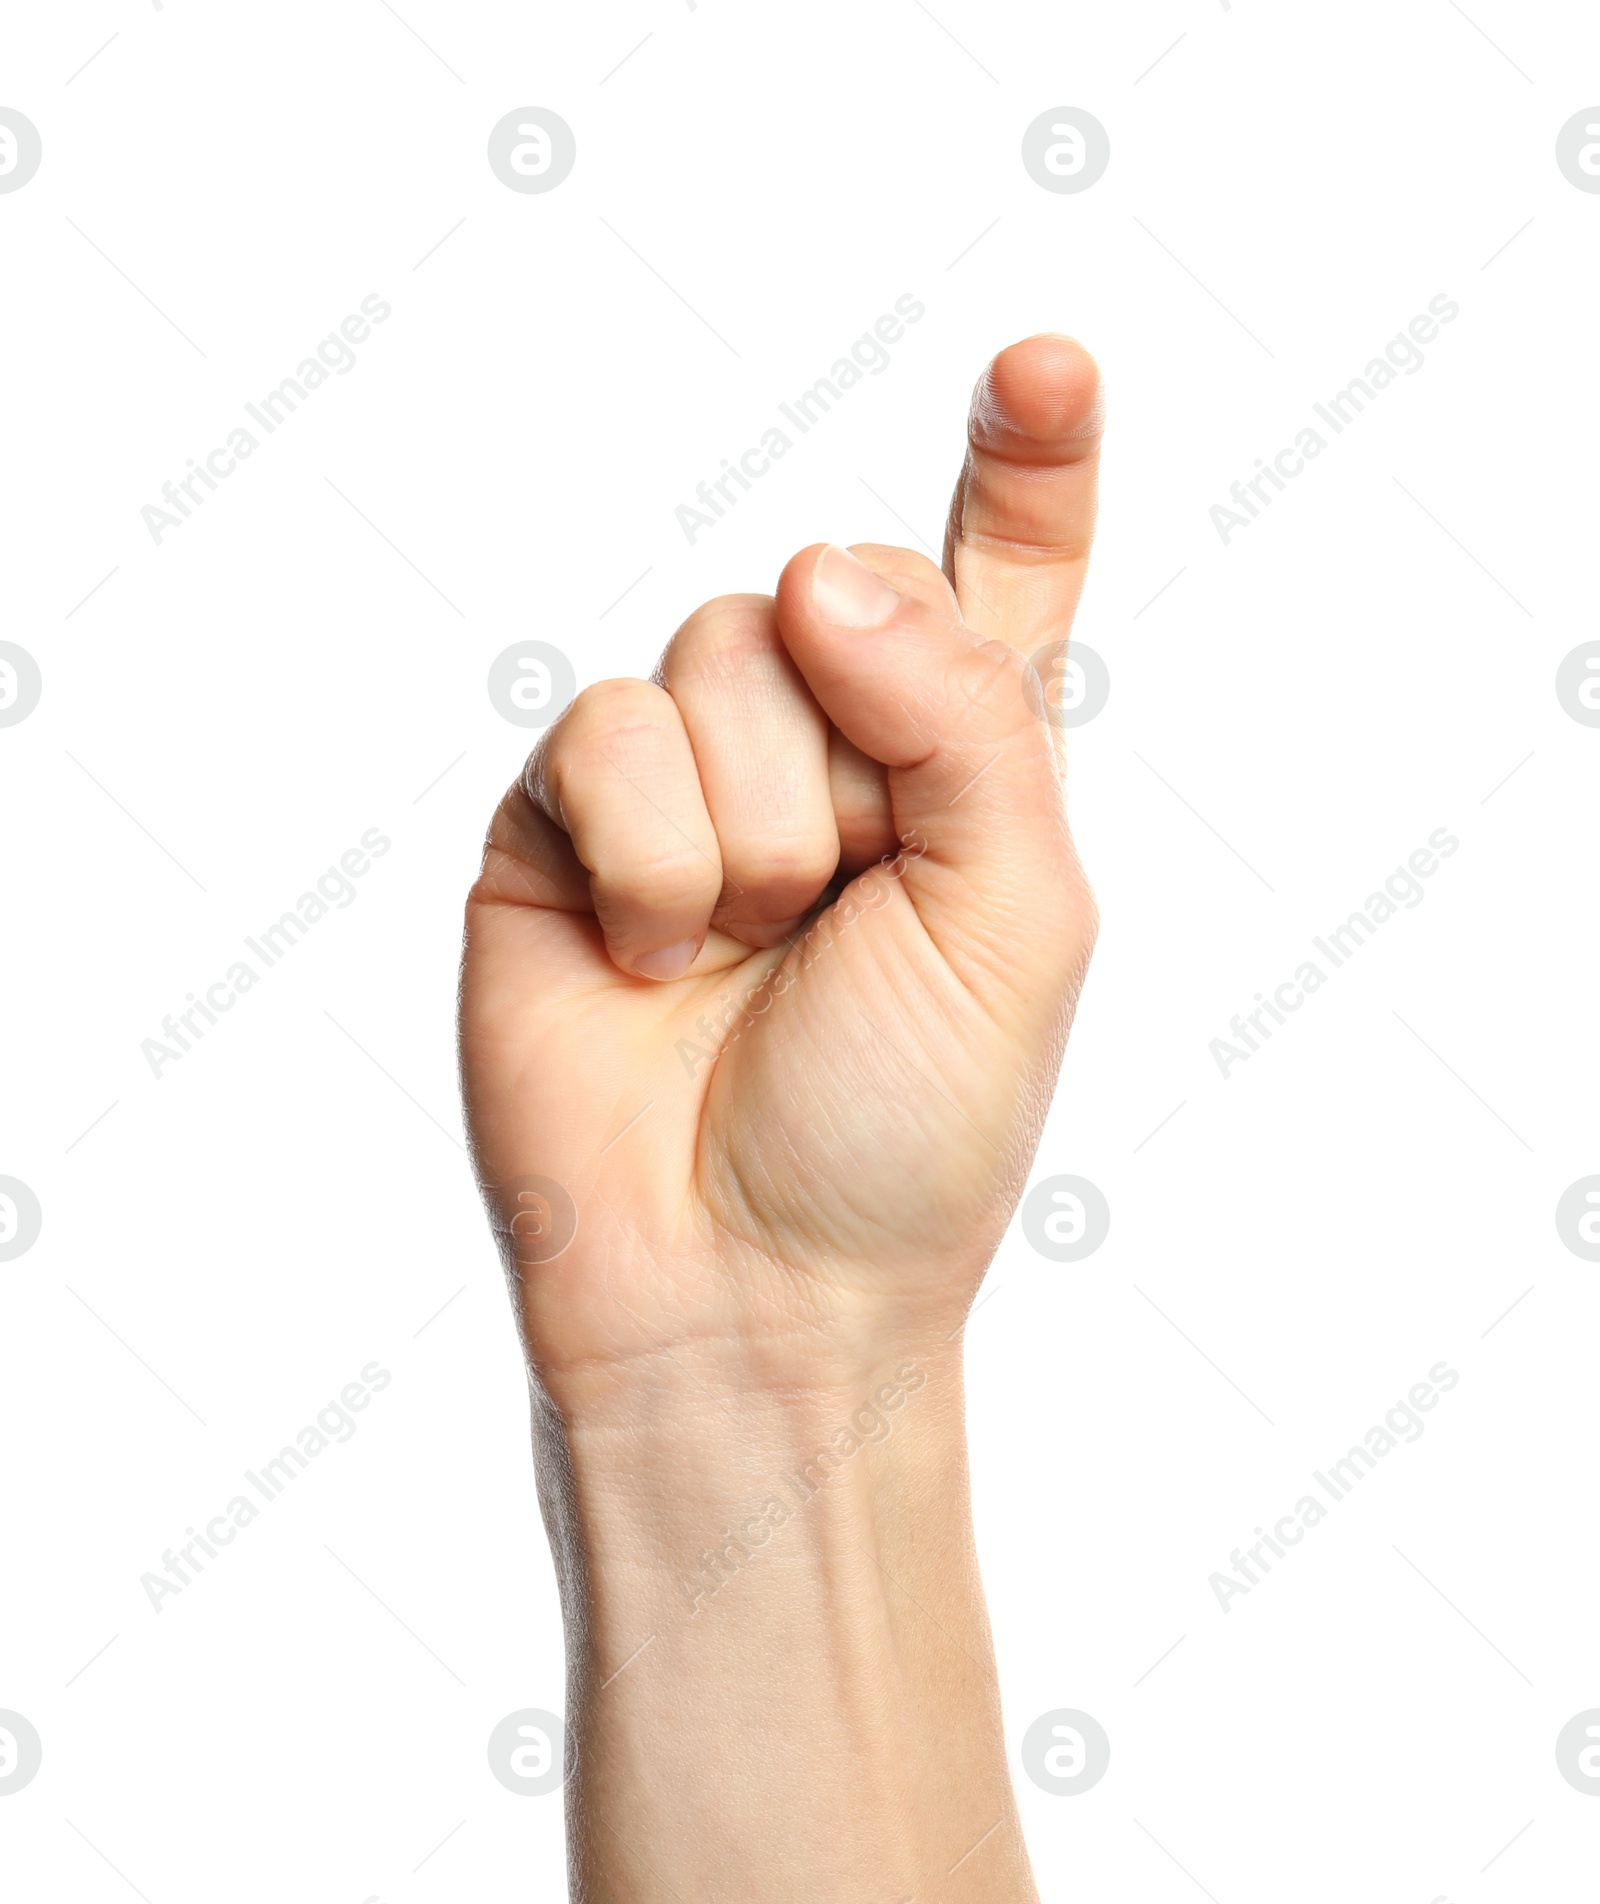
x=1022 y=517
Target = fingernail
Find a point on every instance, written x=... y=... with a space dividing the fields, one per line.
x=848 y=594
x=672 y=961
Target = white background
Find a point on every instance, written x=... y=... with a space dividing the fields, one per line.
x=227 y=712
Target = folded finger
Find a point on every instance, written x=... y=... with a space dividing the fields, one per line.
x=761 y=745
x=617 y=773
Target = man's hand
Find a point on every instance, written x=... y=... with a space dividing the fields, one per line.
x=792 y=1135
x=768 y=974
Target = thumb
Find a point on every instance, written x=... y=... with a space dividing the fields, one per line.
x=974 y=782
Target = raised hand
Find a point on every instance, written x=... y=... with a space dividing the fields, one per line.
x=767 y=978
x=772 y=957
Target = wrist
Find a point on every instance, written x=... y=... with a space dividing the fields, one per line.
x=660 y=1498
x=781 y=1583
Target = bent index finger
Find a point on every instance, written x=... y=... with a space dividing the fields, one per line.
x=1022 y=517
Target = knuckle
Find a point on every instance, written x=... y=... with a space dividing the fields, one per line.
x=623 y=746
x=720 y=639
x=684 y=883
x=628 y=763
x=604 y=705
x=601 y=719
x=988 y=684
x=792 y=867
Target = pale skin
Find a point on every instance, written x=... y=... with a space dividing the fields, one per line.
x=770 y=967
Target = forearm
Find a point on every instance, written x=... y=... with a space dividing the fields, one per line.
x=781 y=1677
